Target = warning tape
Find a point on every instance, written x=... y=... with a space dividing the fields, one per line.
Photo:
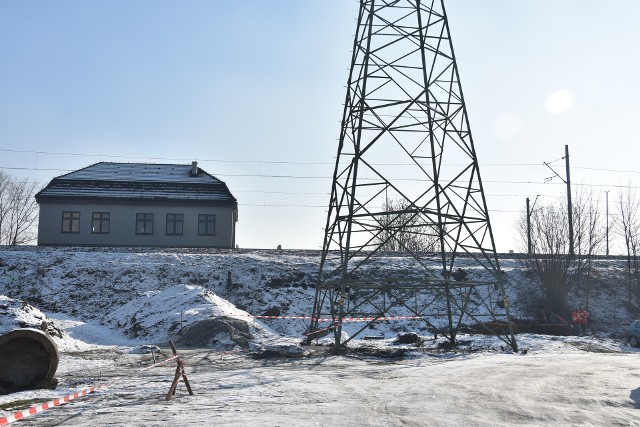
x=44 y=406
x=369 y=319
x=329 y=319
x=345 y=319
x=281 y=317
x=57 y=402
x=160 y=363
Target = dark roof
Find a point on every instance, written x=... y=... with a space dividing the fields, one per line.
x=137 y=182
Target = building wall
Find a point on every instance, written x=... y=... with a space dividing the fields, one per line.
x=122 y=229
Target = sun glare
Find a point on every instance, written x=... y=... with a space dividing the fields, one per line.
x=560 y=101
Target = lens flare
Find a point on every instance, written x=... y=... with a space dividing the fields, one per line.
x=560 y=101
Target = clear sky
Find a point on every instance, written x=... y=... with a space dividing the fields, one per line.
x=253 y=91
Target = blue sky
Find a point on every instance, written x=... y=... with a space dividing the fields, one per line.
x=254 y=90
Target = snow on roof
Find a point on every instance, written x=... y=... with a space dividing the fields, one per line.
x=140 y=172
x=138 y=181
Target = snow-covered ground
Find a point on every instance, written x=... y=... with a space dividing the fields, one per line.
x=102 y=305
x=562 y=381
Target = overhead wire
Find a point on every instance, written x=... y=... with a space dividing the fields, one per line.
x=40 y=152
x=306 y=177
x=319 y=176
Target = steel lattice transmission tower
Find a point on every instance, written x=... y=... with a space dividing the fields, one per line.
x=406 y=177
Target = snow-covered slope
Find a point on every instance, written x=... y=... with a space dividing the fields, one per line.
x=153 y=294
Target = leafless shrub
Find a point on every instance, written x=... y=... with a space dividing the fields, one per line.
x=627 y=226
x=556 y=269
x=18 y=210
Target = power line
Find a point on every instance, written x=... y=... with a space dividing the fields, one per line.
x=306 y=177
x=274 y=205
x=39 y=152
x=174 y=159
x=35 y=169
x=604 y=170
x=270 y=205
x=325 y=193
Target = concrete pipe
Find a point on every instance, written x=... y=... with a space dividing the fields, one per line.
x=28 y=359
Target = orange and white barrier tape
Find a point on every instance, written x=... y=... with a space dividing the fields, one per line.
x=327 y=319
x=57 y=402
x=345 y=319
x=16 y=416
x=281 y=317
x=161 y=363
x=369 y=319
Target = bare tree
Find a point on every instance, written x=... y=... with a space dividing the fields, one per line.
x=405 y=229
x=627 y=226
x=5 y=183
x=18 y=210
x=558 y=271
x=590 y=235
x=548 y=259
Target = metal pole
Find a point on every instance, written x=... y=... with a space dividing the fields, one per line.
x=528 y=228
x=569 y=206
x=607 y=215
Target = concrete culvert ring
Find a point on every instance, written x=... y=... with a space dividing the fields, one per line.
x=28 y=359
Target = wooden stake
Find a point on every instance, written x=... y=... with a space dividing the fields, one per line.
x=179 y=372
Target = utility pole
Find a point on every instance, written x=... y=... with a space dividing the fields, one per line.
x=528 y=228
x=569 y=207
x=607 y=215
x=529 y=212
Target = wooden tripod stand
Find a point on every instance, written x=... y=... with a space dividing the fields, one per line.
x=179 y=372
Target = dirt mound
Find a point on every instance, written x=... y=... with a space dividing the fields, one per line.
x=221 y=331
x=17 y=314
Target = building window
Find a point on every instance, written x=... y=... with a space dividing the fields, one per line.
x=206 y=225
x=70 y=222
x=144 y=223
x=100 y=222
x=174 y=224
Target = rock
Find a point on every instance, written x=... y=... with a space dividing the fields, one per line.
x=408 y=338
x=273 y=351
x=273 y=311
